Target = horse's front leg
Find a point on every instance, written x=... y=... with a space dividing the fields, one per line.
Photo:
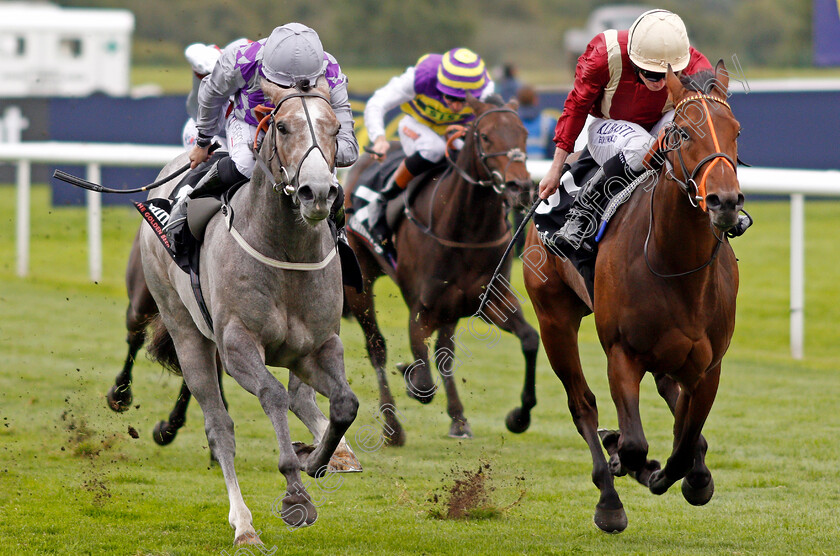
x=690 y=416
x=195 y=354
x=446 y=363
x=243 y=358
x=303 y=405
x=509 y=317
x=418 y=378
x=697 y=486
x=631 y=449
x=324 y=371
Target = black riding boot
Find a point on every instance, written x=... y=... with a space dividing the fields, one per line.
x=408 y=169
x=221 y=175
x=591 y=201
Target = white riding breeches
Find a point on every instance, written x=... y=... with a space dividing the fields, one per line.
x=416 y=137
x=607 y=138
x=240 y=138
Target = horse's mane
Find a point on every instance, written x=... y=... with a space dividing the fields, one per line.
x=702 y=81
x=495 y=99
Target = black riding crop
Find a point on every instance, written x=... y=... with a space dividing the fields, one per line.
x=89 y=185
x=516 y=235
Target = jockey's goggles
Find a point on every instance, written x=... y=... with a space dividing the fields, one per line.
x=652 y=76
x=450 y=98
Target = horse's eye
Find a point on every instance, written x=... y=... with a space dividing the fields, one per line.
x=281 y=127
x=484 y=137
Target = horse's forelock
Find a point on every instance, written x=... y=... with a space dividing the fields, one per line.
x=701 y=82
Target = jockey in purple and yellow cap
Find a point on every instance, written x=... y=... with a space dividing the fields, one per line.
x=432 y=93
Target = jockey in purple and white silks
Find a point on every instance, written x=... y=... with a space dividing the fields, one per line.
x=292 y=56
x=432 y=94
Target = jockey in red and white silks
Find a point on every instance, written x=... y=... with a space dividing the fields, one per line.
x=626 y=103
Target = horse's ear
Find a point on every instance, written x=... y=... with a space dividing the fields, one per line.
x=674 y=84
x=271 y=90
x=477 y=106
x=721 y=83
x=513 y=104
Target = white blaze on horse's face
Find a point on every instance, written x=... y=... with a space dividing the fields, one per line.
x=306 y=144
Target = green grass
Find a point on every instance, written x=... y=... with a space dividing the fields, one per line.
x=72 y=480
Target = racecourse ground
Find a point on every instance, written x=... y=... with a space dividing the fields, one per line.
x=73 y=481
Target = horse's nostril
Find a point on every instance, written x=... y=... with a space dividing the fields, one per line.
x=333 y=193
x=741 y=201
x=713 y=201
x=305 y=193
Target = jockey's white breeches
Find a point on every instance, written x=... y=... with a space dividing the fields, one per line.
x=606 y=138
x=417 y=137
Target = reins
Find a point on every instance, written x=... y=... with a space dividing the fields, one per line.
x=697 y=198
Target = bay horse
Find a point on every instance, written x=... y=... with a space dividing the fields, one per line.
x=273 y=289
x=666 y=279
x=448 y=246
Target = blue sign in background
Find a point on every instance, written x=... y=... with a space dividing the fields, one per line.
x=826 y=19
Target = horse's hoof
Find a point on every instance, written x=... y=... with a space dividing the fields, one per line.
x=344 y=460
x=460 y=429
x=615 y=466
x=249 y=538
x=298 y=511
x=698 y=496
x=164 y=433
x=119 y=398
x=658 y=482
x=609 y=439
x=422 y=397
x=611 y=521
x=518 y=420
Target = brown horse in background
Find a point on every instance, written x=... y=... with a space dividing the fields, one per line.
x=453 y=237
x=666 y=280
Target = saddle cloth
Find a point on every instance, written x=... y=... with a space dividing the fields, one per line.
x=368 y=189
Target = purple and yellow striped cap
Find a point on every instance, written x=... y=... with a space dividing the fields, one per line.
x=461 y=70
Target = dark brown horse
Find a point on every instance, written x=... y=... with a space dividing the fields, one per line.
x=666 y=280
x=447 y=249
x=140 y=312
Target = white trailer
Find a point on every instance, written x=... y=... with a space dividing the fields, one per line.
x=47 y=50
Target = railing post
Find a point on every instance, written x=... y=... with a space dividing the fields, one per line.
x=94 y=213
x=797 y=275
x=23 y=202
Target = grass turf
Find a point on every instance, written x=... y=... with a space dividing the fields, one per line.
x=72 y=479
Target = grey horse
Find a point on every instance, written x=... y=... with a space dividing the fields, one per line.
x=274 y=291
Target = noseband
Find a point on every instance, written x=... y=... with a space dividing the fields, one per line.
x=497 y=180
x=287 y=185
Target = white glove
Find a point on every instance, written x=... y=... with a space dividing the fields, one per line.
x=202 y=57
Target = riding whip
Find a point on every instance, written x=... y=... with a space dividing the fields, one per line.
x=516 y=235
x=84 y=184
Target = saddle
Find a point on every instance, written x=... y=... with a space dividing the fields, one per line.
x=369 y=187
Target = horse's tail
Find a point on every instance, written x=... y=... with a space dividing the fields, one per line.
x=161 y=348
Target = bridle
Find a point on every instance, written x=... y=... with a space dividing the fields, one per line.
x=696 y=192
x=671 y=140
x=497 y=180
x=289 y=185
